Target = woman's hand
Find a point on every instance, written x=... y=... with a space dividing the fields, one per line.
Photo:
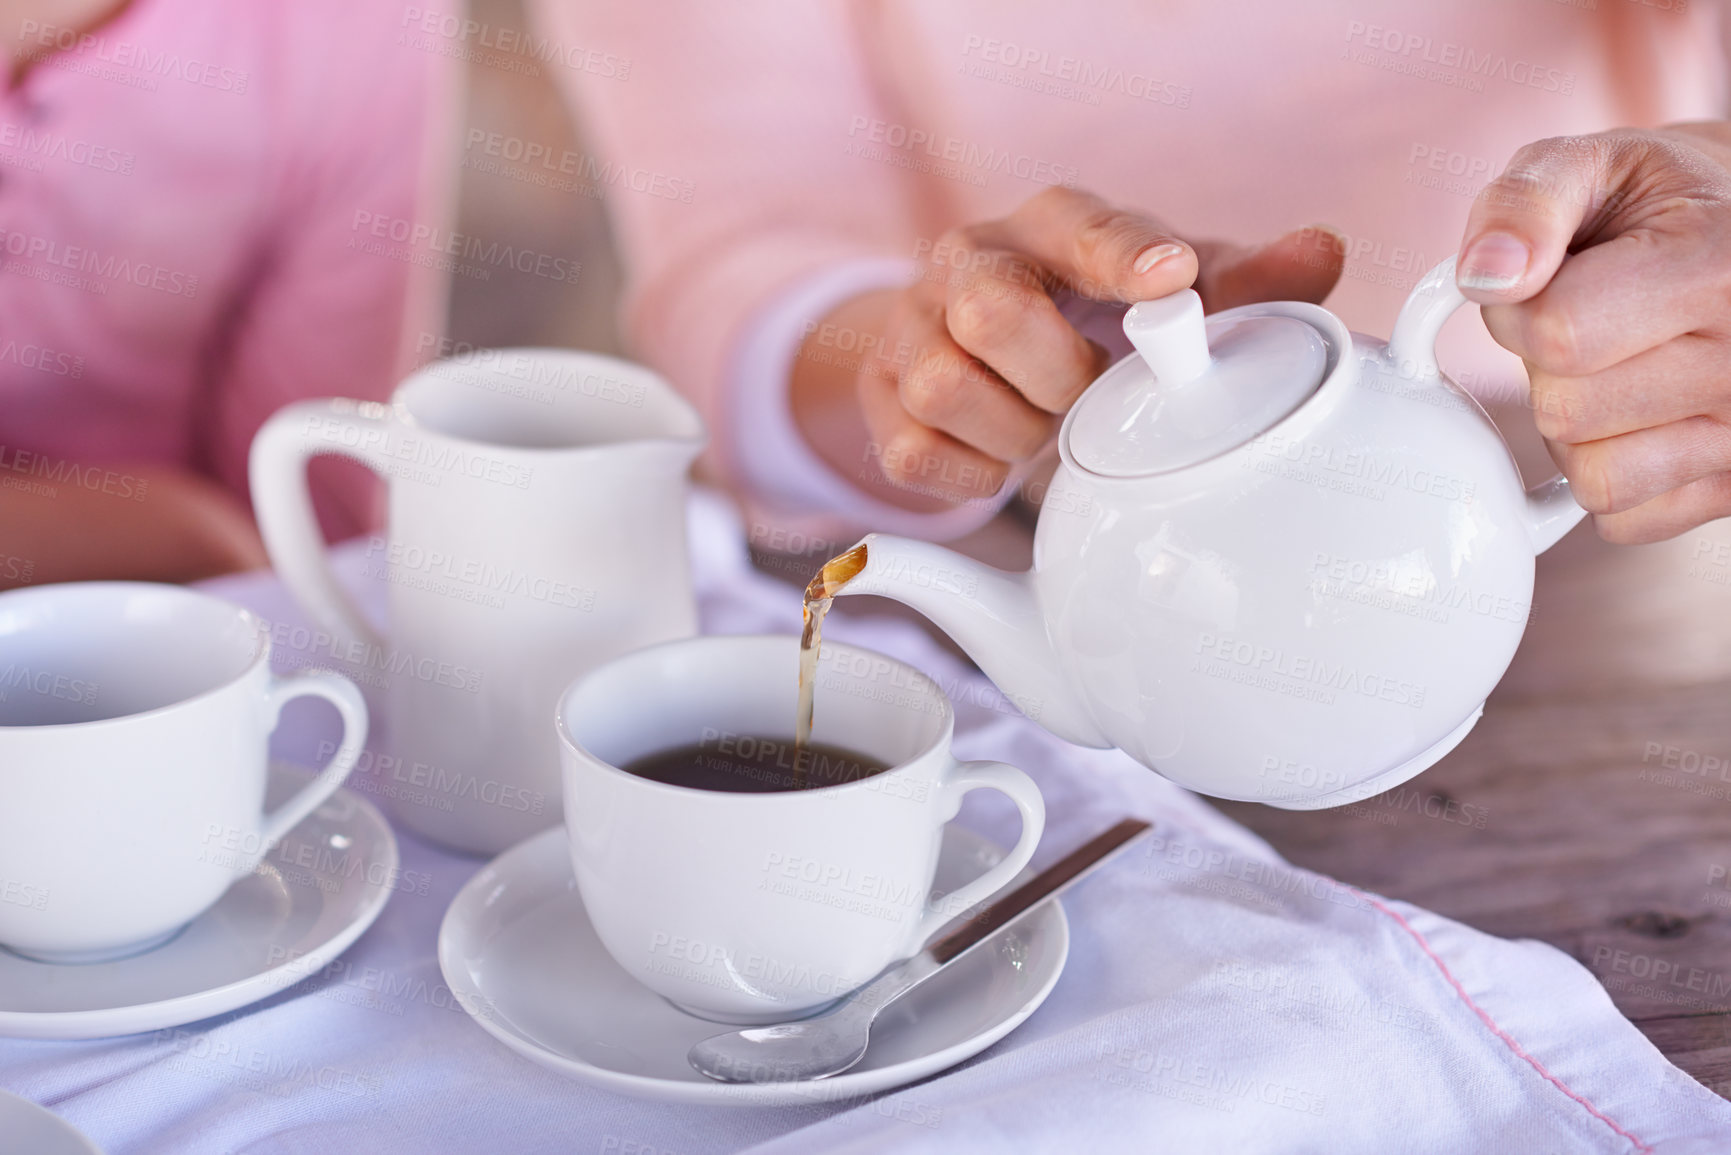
x=1605 y=262
x=975 y=364
x=152 y=524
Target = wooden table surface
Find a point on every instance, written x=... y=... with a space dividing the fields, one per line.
x=1591 y=806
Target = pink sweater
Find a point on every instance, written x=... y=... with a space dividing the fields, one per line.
x=189 y=203
x=803 y=135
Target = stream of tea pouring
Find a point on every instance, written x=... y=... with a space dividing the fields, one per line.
x=819 y=596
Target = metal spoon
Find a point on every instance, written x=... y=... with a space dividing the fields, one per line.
x=831 y=1042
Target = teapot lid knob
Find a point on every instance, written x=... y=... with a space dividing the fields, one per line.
x=1171 y=336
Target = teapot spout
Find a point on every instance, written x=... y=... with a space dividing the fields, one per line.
x=993 y=615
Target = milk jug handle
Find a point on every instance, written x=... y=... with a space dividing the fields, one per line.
x=283 y=506
x=1551 y=510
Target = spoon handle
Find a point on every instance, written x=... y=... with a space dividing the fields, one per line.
x=1050 y=881
x=902 y=977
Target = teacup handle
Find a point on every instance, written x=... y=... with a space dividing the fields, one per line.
x=1551 y=509
x=341 y=693
x=277 y=469
x=1006 y=779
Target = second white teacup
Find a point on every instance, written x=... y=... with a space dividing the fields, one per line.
x=762 y=906
x=134 y=729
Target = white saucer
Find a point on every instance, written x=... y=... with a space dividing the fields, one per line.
x=39 y=1131
x=519 y=954
x=305 y=904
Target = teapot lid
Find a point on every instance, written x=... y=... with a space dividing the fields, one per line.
x=1194 y=389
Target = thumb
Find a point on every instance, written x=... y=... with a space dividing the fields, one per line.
x=1301 y=266
x=1522 y=223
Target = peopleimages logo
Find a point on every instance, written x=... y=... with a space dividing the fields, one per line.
x=1679 y=768
x=982 y=159
x=1312 y=782
x=45 y=683
x=1351 y=471
x=1660 y=976
x=17 y=570
x=432 y=459
x=508 y=42
x=61 y=472
x=1445 y=61
x=42 y=359
x=1166 y=856
x=106 y=267
x=468 y=578
x=1274 y=668
x=71 y=44
x=725 y=967
x=1408 y=586
x=371 y=229
x=590 y=174
x=522 y=374
x=1711 y=561
x=840 y=887
x=386 y=660
x=1198 y=1081
x=1277 y=988
x=43 y=145
x=251 y=1068
x=1067 y=77
x=434 y=786
x=23 y=894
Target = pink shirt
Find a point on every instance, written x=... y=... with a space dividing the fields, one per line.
x=830 y=134
x=188 y=202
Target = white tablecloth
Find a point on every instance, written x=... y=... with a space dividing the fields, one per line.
x=1216 y=999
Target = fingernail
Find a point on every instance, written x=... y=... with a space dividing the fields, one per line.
x=1494 y=262
x=1154 y=254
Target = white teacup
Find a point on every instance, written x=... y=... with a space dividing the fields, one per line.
x=134 y=729
x=760 y=907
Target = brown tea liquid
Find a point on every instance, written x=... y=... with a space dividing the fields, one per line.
x=747 y=764
x=819 y=596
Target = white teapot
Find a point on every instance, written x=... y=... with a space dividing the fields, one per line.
x=1279 y=562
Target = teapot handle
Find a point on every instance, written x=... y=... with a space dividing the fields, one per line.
x=1551 y=509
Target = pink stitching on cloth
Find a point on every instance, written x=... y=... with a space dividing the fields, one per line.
x=1492 y=1024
